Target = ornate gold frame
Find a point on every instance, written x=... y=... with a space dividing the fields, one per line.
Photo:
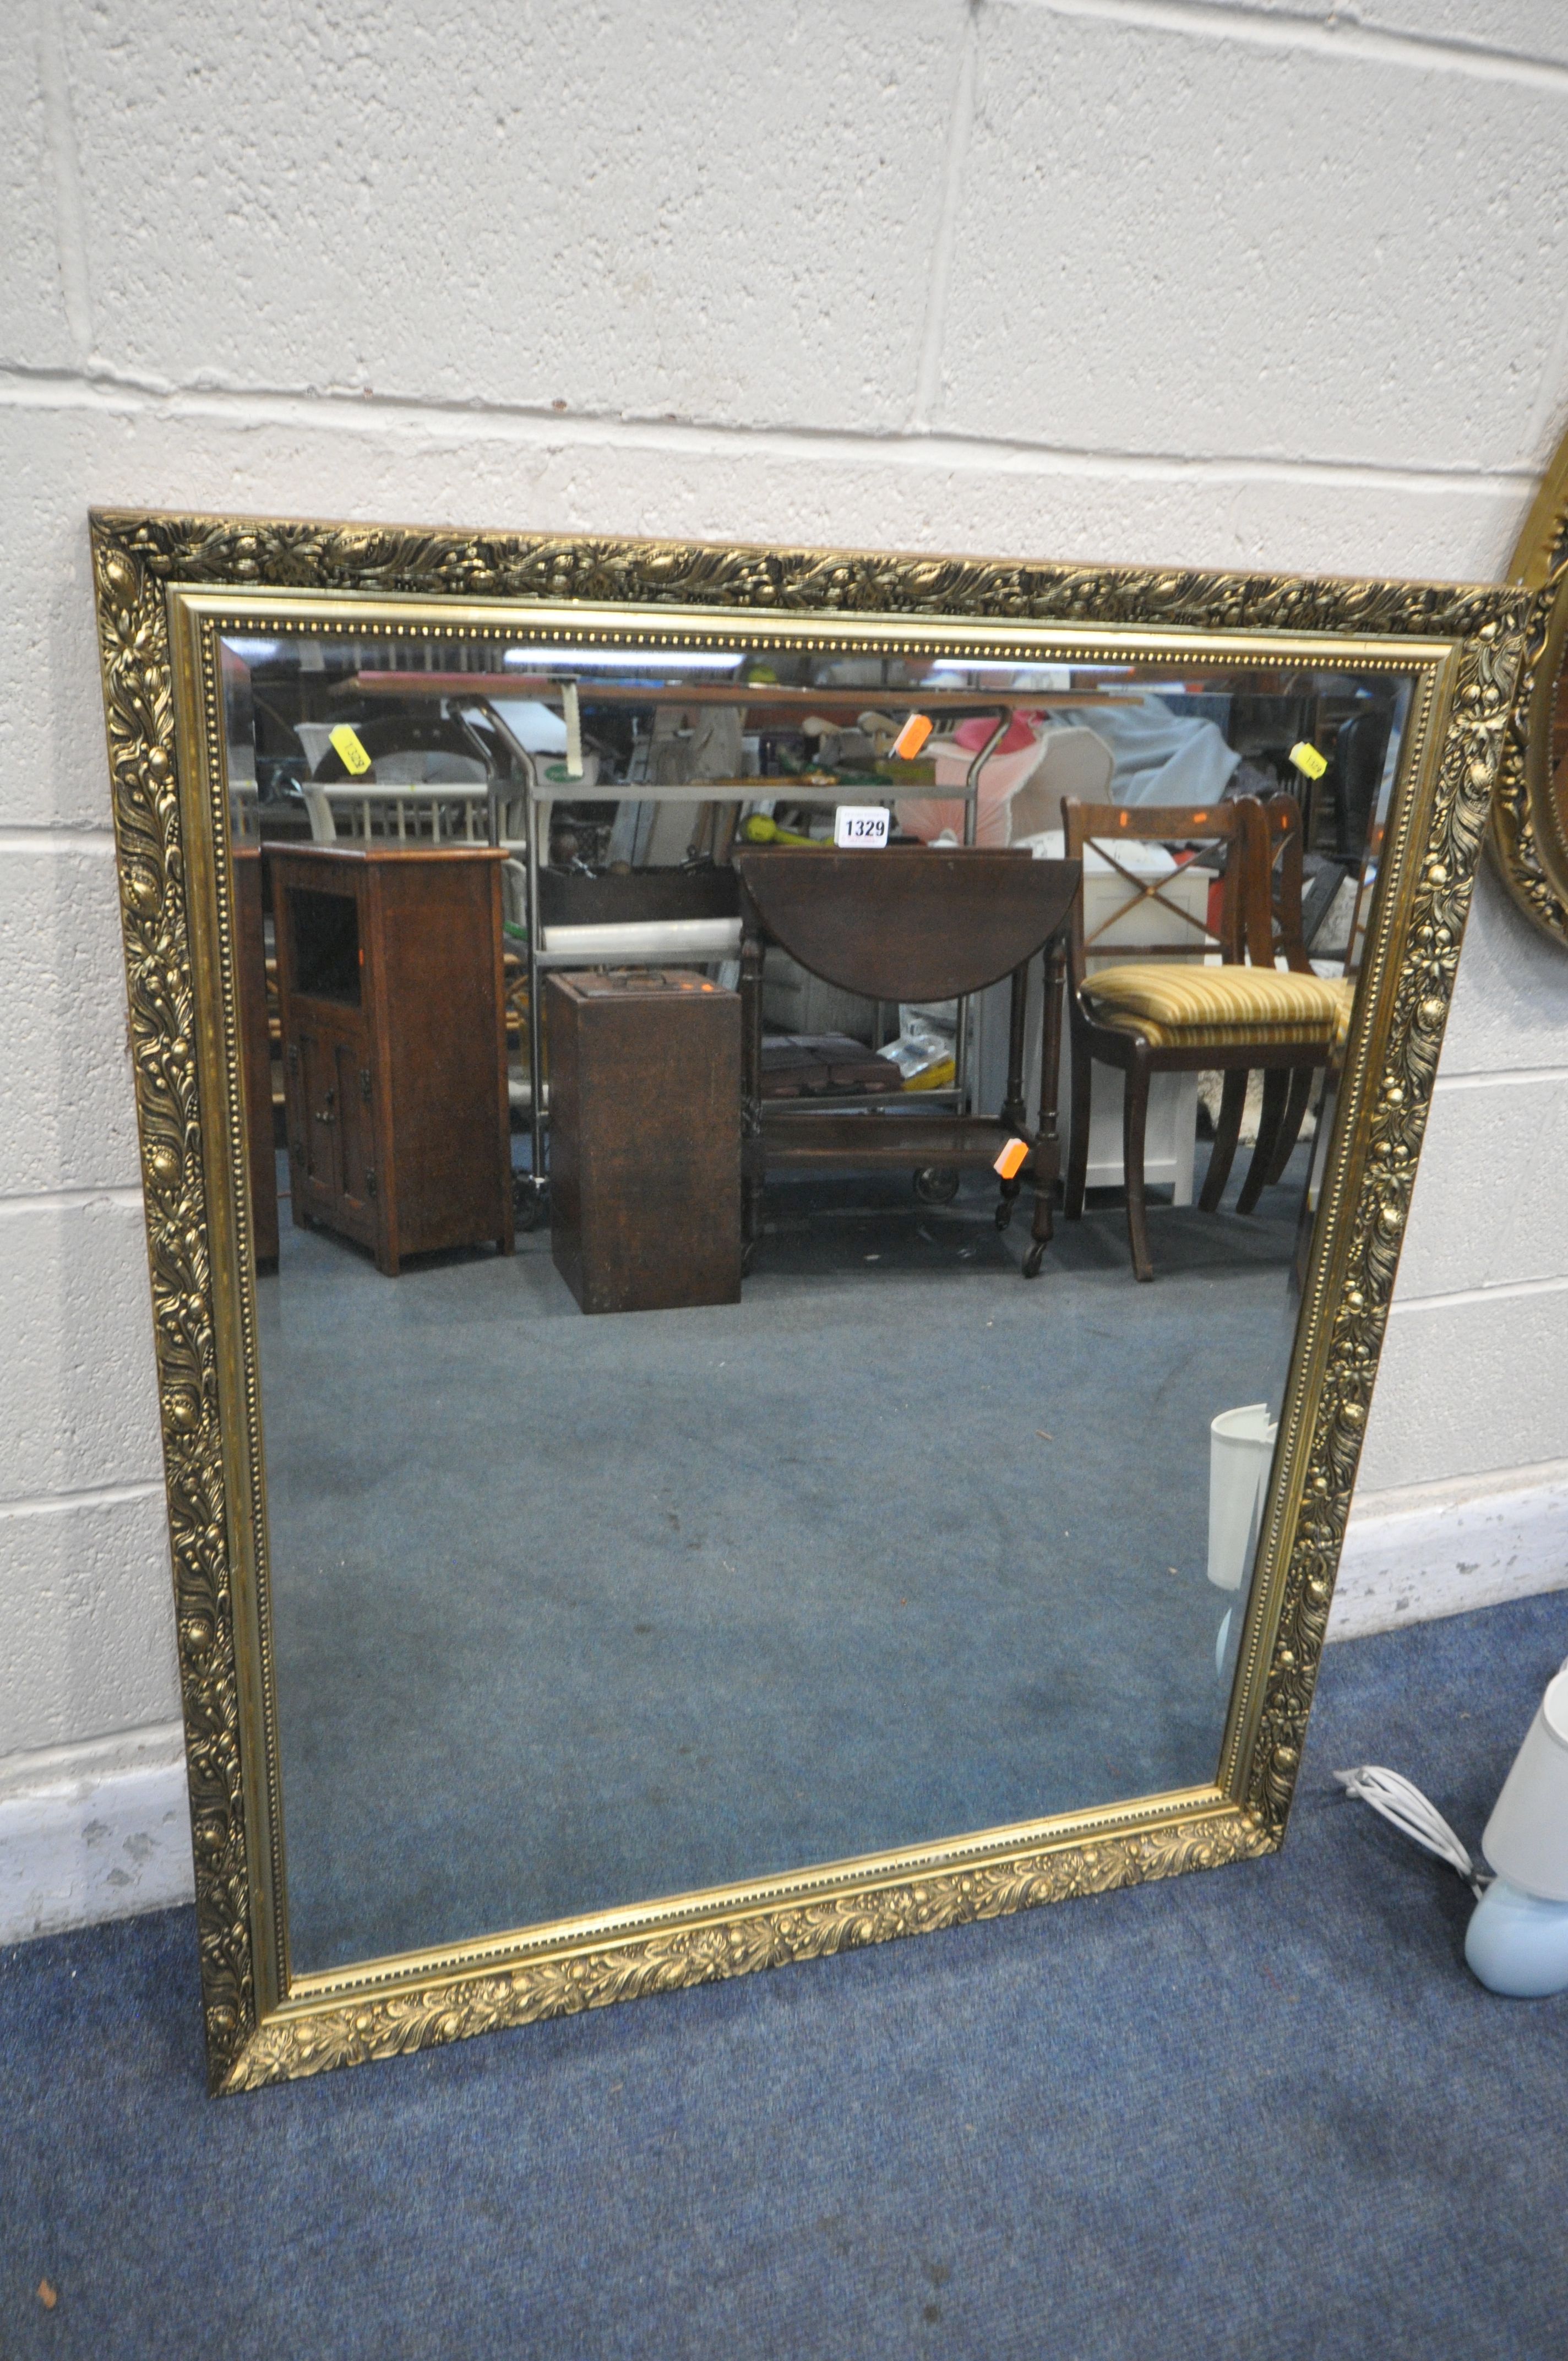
x=163 y=583
x=1529 y=835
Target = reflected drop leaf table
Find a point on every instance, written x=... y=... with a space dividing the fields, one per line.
x=899 y=924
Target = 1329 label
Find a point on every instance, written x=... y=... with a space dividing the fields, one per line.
x=858 y=827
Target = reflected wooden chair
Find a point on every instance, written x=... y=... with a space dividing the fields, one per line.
x=1286 y=1096
x=1163 y=1008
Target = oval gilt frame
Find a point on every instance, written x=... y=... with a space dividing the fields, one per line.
x=1529 y=832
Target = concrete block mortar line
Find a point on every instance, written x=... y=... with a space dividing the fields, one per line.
x=56 y=839
x=71 y=233
x=42 y=1769
x=928 y=379
x=89 y=1496
x=935 y=453
x=69 y=1200
x=1442 y=1492
x=1334 y=35
x=1509 y=1079
x=1544 y=429
x=1505 y=1290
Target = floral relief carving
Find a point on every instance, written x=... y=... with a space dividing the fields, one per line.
x=135 y=558
x=138 y=710
x=1423 y=968
x=1522 y=804
x=256 y=553
x=351 y=2032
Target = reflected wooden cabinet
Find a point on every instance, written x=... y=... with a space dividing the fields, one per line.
x=394 y=1046
x=645 y=1139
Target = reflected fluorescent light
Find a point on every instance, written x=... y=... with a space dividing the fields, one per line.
x=253 y=651
x=621 y=660
x=981 y=676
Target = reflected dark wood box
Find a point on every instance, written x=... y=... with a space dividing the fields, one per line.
x=394 y=1045
x=645 y=1138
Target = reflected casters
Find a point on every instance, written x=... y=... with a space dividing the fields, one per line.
x=530 y=1198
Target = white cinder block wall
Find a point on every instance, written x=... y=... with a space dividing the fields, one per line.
x=1143 y=279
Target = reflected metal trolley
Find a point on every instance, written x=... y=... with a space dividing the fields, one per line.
x=588 y=938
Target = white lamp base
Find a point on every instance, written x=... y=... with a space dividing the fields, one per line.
x=1516 y=1945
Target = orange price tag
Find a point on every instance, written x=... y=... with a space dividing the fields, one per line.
x=912 y=736
x=1013 y=1158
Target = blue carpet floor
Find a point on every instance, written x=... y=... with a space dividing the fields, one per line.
x=1262 y=2112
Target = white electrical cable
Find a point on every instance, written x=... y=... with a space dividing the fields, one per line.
x=1404 y=1807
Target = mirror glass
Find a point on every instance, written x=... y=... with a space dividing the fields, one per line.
x=712 y=1422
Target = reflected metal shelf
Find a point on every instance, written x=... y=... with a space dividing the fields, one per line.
x=765 y=702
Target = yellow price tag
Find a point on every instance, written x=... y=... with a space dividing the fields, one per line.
x=344 y=743
x=1307 y=761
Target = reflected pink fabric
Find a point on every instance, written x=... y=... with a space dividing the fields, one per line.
x=1003 y=774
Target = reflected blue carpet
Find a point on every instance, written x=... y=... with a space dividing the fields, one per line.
x=1264 y=2111
x=594 y=1611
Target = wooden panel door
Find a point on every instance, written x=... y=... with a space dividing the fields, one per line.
x=332 y=1156
x=319 y=1148
x=356 y=1135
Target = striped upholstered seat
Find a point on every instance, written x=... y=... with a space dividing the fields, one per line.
x=1259 y=1008
x=1175 y=1005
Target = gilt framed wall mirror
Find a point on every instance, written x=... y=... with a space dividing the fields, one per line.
x=773 y=1184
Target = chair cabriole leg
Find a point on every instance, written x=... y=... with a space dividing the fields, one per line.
x=1276 y=1091
x=1077 y=1146
x=1134 y=1123
x=1227 y=1131
x=1291 y=1129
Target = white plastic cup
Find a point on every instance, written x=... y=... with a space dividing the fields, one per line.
x=1527 y=1835
x=1241 y=1451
